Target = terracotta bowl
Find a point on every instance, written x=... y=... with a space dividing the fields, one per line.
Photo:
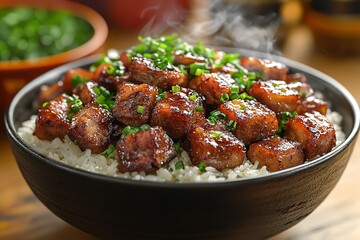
x=15 y=74
x=249 y=208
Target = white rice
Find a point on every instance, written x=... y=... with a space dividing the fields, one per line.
x=69 y=153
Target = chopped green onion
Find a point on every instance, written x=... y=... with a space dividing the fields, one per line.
x=175 y=89
x=193 y=97
x=179 y=165
x=199 y=108
x=202 y=167
x=231 y=125
x=108 y=151
x=104 y=98
x=75 y=105
x=234 y=89
x=224 y=98
x=144 y=127
x=44 y=104
x=129 y=129
x=216 y=134
x=244 y=95
x=243 y=107
x=77 y=79
x=284 y=117
x=177 y=146
x=216 y=115
x=140 y=109
x=197 y=68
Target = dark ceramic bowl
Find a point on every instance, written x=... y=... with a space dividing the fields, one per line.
x=115 y=208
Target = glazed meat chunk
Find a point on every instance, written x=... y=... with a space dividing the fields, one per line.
x=186 y=59
x=146 y=150
x=313 y=131
x=276 y=153
x=212 y=86
x=144 y=71
x=311 y=104
x=65 y=85
x=90 y=128
x=52 y=120
x=134 y=103
x=276 y=95
x=105 y=75
x=178 y=111
x=85 y=91
x=269 y=69
x=254 y=121
x=214 y=146
x=73 y=76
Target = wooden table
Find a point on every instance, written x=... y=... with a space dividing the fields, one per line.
x=22 y=216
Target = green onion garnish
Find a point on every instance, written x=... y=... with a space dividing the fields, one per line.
x=140 y=109
x=108 y=151
x=129 y=129
x=216 y=134
x=179 y=165
x=77 y=79
x=175 y=89
x=284 y=117
x=199 y=108
x=231 y=125
x=202 y=167
x=224 y=98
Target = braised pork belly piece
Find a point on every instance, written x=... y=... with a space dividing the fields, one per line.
x=110 y=77
x=179 y=109
x=146 y=151
x=314 y=132
x=213 y=145
x=312 y=103
x=143 y=70
x=276 y=153
x=276 y=95
x=213 y=86
x=90 y=128
x=85 y=91
x=268 y=68
x=181 y=58
x=52 y=119
x=254 y=121
x=65 y=85
x=134 y=103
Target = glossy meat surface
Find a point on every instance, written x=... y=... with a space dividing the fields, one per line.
x=144 y=151
x=90 y=128
x=270 y=69
x=276 y=153
x=177 y=112
x=212 y=86
x=85 y=91
x=52 y=120
x=254 y=120
x=109 y=81
x=134 y=103
x=276 y=95
x=144 y=71
x=215 y=147
x=313 y=131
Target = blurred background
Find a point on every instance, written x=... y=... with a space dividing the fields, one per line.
x=324 y=34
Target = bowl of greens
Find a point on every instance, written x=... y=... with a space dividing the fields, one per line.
x=37 y=36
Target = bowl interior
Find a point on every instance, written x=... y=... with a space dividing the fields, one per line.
x=23 y=104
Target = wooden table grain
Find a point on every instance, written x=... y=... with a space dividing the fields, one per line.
x=22 y=216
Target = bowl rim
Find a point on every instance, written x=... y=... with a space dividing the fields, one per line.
x=37 y=82
x=96 y=21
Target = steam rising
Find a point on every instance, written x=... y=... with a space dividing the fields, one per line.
x=218 y=23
